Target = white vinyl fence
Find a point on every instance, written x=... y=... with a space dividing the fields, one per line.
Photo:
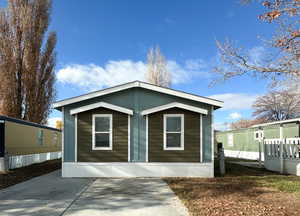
x=282 y=155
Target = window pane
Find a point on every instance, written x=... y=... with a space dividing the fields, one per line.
x=173 y=139
x=102 y=124
x=174 y=124
x=102 y=140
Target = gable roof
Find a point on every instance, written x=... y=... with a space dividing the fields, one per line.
x=139 y=84
x=172 y=105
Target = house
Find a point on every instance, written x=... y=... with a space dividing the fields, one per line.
x=23 y=143
x=246 y=143
x=138 y=130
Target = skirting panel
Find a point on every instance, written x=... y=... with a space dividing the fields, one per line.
x=137 y=169
x=25 y=160
x=289 y=166
x=2 y=164
x=243 y=154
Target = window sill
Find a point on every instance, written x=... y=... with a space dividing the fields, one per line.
x=102 y=148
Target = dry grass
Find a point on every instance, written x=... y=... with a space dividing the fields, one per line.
x=243 y=191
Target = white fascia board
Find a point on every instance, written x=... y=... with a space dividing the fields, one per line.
x=181 y=94
x=95 y=94
x=277 y=122
x=141 y=85
x=101 y=104
x=172 y=105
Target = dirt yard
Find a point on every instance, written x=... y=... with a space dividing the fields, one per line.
x=16 y=176
x=243 y=191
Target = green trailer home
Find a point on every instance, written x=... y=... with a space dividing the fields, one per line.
x=247 y=143
x=138 y=130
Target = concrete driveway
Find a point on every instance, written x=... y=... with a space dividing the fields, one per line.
x=52 y=195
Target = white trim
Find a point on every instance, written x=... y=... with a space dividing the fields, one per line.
x=1 y=121
x=181 y=132
x=147 y=137
x=277 y=122
x=76 y=128
x=110 y=132
x=260 y=135
x=128 y=138
x=141 y=85
x=172 y=105
x=138 y=169
x=230 y=140
x=212 y=135
x=201 y=138
x=243 y=154
x=101 y=104
x=62 y=135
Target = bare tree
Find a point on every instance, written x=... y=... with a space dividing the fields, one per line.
x=26 y=61
x=277 y=105
x=157 y=72
x=246 y=123
x=283 y=59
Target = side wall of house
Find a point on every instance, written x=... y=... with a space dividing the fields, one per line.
x=22 y=139
x=244 y=144
x=138 y=100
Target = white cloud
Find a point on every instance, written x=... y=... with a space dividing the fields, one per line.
x=237 y=101
x=52 y=121
x=235 y=115
x=93 y=76
x=257 y=55
x=221 y=126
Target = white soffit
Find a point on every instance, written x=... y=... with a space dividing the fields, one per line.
x=141 y=85
x=101 y=104
x=172 y=105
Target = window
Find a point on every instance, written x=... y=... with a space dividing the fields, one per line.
x=173 y=132
x=40 y=137
x=55 y=138
x=259 y=135
x=102 y=132
x=230 y=139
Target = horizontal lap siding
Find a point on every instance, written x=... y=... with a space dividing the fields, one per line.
x=119 y=142
x=191 y=152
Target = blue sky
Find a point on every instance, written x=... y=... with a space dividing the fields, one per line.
x=111 y=38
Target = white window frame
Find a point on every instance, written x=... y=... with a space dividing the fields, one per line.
x=181 y=132
x=232 y=138
x=260 y=135
x=95 y=132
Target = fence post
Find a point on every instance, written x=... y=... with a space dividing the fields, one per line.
x=282 y=141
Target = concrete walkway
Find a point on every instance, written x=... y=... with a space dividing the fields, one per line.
x=53 y=195
x=44 y=195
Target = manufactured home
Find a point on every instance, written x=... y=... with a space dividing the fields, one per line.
x=247 y=142
x=23 y=143
x=138 y=130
